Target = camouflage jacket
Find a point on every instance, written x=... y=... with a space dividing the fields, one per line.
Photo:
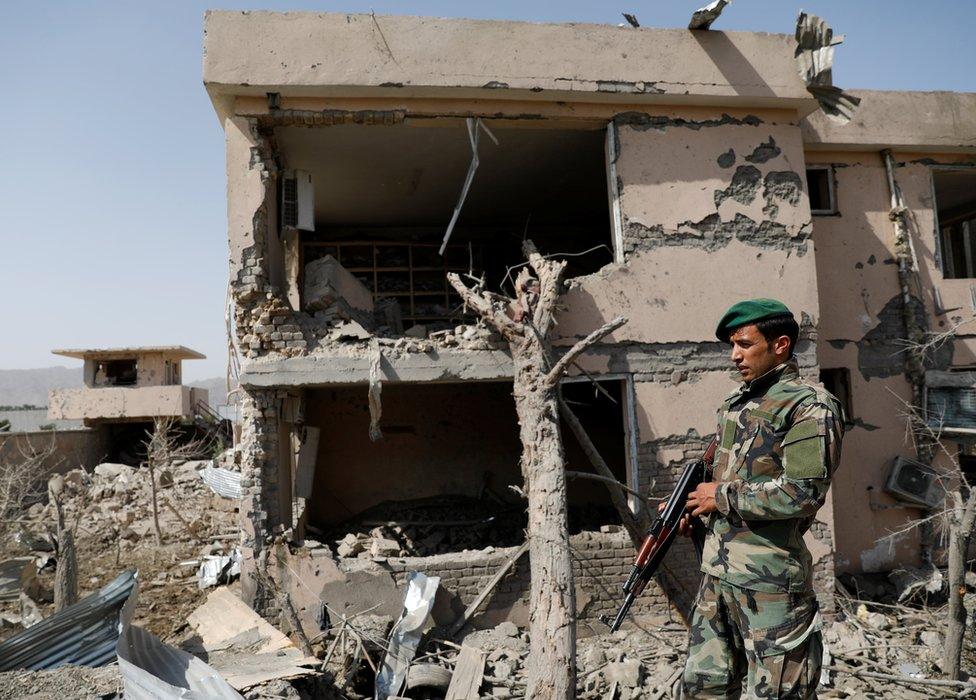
x=779 y=444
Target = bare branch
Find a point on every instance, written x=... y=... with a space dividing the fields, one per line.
x=556 y=373
x=484 y=306
x=550 y=275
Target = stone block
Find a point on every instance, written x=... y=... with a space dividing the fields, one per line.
x=326 y=282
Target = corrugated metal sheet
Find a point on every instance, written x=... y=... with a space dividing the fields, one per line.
x=153 y=670
x=815 y=42
x=223 y=482
x=83 y=634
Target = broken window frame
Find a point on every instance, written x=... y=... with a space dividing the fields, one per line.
x=943 y=256
x=832 y=209
x=629 y=399
x=613 y=193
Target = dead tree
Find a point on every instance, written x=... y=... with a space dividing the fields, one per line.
x=164 y=447
x=22 y=473
x=957 y=519
x=526 y=323
x=66 y=573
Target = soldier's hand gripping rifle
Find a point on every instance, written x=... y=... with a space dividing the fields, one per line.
x=662 y=532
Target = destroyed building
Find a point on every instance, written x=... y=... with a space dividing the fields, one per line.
x=676 y=171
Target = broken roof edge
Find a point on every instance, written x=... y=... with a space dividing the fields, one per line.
x=179 y=351
x=304 y=53
x=918 y=121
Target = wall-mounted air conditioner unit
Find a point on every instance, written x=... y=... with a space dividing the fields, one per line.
x=297 y=200
x=915 y=482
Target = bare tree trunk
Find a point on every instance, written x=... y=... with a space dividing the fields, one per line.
x=552 y=620
x=525 y=323
x=960 y=535
x=155 y=503
x=66 y=573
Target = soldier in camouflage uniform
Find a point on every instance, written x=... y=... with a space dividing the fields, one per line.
x=755 y=631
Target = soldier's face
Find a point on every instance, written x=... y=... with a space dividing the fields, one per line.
x=753 y=355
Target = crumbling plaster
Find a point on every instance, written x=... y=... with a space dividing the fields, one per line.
x=863 y=330
x=679 y=231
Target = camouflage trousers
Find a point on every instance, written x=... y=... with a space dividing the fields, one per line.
x=752 y=644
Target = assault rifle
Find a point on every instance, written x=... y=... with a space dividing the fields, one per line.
x=662 y=532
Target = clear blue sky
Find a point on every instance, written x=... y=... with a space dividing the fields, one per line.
x=112 y=214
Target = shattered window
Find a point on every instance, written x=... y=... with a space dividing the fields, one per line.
x=955 y=201
x=820 y=185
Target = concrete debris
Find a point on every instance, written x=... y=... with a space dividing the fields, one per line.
x=874 y=620
x=328 y=283
x=428 y=527
x=352 y=330
x=245 y=649
x=112 y=506
x=878 y=646
x=705 y=16
x=58 y=684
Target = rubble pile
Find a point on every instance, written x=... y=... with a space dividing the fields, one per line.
x=427 y=527
x=57 y=684
x=111 y=512
x=890 y=649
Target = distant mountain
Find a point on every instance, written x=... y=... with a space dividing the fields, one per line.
x=31 y=386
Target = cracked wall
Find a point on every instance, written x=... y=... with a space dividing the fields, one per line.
x=863 y=329
x=714 y=210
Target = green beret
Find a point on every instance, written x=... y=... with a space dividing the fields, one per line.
x=749 y=311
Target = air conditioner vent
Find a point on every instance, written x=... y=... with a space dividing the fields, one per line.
x=297 y=201
x=915 y=482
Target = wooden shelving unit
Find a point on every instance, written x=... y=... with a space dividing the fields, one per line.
x=413 y=273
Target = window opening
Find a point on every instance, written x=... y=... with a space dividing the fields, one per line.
x=838 y=382
x=820 y=185
x=955 y=200
x=118 y=372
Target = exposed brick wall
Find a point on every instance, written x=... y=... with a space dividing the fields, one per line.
x=823 y=570
x=601 y=563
